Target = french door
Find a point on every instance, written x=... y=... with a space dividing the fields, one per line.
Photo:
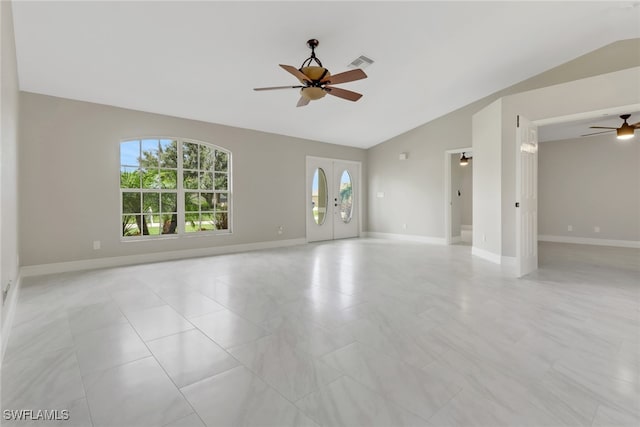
x=332 y=199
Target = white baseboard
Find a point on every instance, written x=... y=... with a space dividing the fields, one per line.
x=8 y=313
x=118 y=261
x=590 y=241
x=406 y=237
x=486 y=255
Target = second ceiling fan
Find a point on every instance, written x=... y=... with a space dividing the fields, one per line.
x=625 y=131
x=316 y=81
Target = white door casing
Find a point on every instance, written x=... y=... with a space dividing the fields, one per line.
x=526 y=197
x=332 y=210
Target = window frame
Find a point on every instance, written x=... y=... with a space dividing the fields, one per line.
x=179 y=190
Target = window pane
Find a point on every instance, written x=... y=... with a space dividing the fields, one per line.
x=206 y=201
x=169 y=202
x=168 y=179
x=191 y=222
x=207 y=156
x=222 y=221
x=206 y=181
x=190 y=180
x=130 y=202
x=169 y=223
x=319 y=196
x=154 y=224
x=150 y=178
x=189 y=155
x=130 y=153
x=149 y=157
x=222 y=159
x=151 y=202
x=207 y=222
x=221 y=181
x=220 y=201
x=191 y=201
x=129 y=177
x=168 y=153
x=346 y=197
x=130 y=226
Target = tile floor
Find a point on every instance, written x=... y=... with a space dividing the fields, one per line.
x=348 y=333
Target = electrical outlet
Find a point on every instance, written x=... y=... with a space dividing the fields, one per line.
x=280 y=229
x=484 y=237
x=596 y=229
x=569 y=227
x=96 y=245
x=404 y=226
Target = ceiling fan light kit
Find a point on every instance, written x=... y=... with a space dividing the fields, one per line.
x=625 y=131
x=316 y=80
x=464 y=160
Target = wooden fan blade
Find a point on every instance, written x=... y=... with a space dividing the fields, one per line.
x=636 y=125
x=596 y=133
x=297 y=73
x=277 y=87
x=343 y=93
x=601 y=127
x=302 y=101
x=347 y=76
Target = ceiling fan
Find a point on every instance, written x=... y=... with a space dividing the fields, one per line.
x=625 y=131
x=317 y=81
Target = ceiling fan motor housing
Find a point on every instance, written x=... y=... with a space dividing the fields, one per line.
x=314 y=90
x=315 y=74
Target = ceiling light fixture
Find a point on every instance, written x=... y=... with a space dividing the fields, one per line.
x=464 y=161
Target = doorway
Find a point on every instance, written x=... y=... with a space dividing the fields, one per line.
x=458 y=196
x=332 y=202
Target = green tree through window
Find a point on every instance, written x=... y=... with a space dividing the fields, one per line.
x=173 y=186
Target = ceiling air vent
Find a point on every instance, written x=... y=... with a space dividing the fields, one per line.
x=361 y=62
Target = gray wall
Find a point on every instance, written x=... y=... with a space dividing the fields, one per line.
x=69 y=179
x=466 y=199
x=456 y=205
x=461 y=205
x=8 y=150
x=414 y=189
x=587 y=182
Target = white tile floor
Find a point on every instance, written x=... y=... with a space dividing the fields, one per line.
x=347 y=333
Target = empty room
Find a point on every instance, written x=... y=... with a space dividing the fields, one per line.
x=319 y=213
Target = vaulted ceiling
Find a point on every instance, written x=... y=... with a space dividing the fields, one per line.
x=200 y=60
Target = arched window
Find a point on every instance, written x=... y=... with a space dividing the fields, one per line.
x=174 y=186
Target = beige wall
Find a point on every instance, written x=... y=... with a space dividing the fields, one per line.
x=588 y=182
x=8 y=150
x=414 y=189
x=487 y=179
x=69 y=180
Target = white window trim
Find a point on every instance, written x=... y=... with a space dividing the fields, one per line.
x=180 y=230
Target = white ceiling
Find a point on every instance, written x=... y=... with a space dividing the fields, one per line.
x=200 y=60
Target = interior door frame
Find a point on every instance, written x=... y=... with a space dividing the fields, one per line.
x=447 y=190
x=358 y=190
